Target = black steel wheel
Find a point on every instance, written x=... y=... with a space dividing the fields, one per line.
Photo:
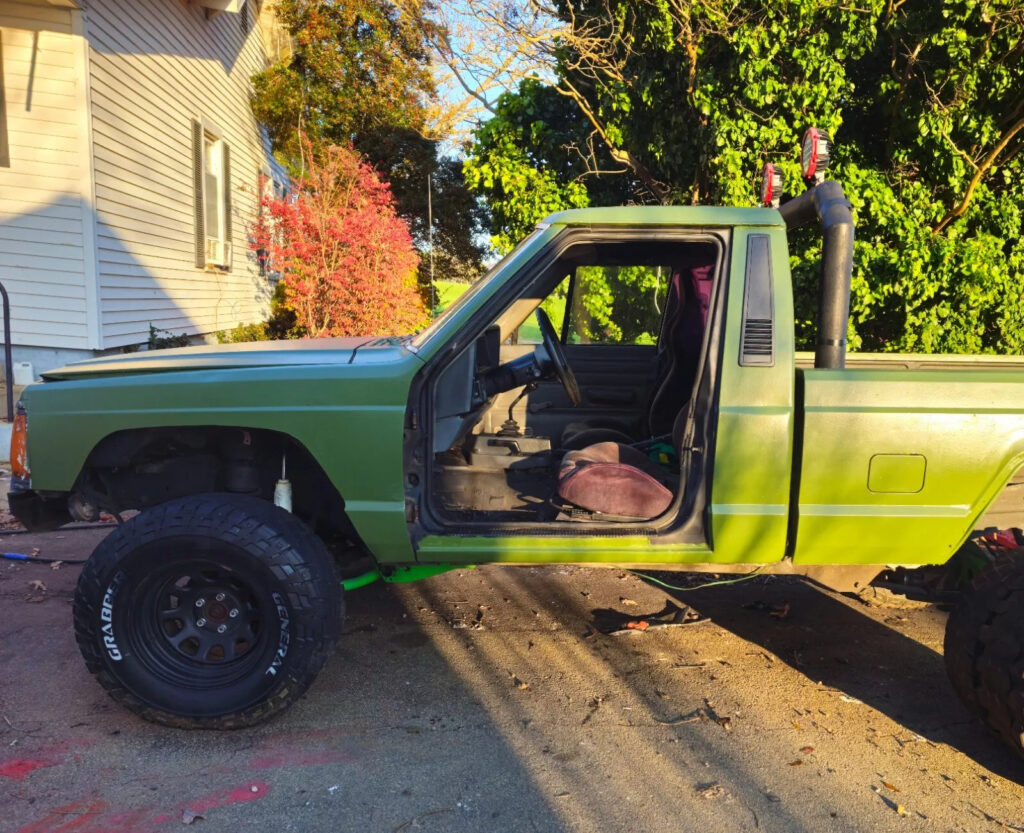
x=214 y=611
x=984 y=647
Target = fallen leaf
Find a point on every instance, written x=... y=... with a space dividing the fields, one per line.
x=625 y=601
x=37 y=586
x=901 y=810
x=807 y=750
x=797 y=762
x=710 y=791
x=56 y=565
x=889 y=786
x=796 y=725
x=520 y=684
x=187 y=817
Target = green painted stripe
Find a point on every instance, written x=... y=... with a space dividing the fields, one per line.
x=902 y=511
x=749 y=509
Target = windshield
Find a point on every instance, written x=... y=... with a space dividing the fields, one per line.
x=425 y=335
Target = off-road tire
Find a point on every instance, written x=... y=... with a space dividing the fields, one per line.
x=149 y=634
x=984 y=647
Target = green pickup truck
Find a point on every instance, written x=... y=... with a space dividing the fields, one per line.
x=663 y=420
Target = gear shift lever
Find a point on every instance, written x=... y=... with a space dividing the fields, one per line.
x=510 y=428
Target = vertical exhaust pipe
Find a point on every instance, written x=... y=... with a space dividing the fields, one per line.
x=827 y=203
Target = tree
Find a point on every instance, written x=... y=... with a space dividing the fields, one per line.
x=684 y=101
x=346 y=259
x=361 y=75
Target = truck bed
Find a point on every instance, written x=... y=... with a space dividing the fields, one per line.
x=902 y=455
x=906 y=361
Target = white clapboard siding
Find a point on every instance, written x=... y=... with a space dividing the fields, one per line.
x=43 y=247
x=154 y=66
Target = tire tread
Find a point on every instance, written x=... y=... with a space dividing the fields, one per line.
x=292 y=551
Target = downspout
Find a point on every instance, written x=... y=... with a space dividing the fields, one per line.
x=827 y=202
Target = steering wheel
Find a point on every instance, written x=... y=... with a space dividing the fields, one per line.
x=556 y=355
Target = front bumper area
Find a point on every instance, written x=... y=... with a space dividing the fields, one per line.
x=37 y=511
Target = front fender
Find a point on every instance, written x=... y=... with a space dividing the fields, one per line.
x=350 y=418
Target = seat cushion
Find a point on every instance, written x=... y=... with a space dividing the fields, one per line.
x=578 y=435
x=613 y=479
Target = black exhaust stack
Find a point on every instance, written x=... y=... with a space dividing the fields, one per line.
x=827 y=202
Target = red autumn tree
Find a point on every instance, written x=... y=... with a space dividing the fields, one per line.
x=346 y=259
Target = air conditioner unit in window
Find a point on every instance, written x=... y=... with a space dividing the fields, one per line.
x=218 y=252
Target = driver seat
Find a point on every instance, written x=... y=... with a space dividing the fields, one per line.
x=686 y=314
x=618 y=480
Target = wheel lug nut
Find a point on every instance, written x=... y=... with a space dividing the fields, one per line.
x=219 y=597
x=200 y=602
x=221 y=628
x=233 y=612
x=201 y=622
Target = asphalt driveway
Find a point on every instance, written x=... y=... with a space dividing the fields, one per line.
x=492 y=700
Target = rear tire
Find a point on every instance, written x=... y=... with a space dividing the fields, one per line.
x=214 y=611
x=984 y=647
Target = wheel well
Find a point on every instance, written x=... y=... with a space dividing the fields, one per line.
x=145 y=467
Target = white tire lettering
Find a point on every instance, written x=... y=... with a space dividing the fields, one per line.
x=107 y=617
x=284 y=637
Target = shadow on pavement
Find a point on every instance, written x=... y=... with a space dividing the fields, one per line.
x=833 y=643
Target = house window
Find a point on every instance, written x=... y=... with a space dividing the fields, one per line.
x=270 y=189
x=212 y=179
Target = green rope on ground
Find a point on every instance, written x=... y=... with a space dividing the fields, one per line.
x=718 y=583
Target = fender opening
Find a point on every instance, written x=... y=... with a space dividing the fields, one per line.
x=138 y=469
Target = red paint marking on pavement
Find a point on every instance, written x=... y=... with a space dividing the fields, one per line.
x=131 y=821
x=239 y=795
x=18 y=769
x=92 y=816
x=57 y=821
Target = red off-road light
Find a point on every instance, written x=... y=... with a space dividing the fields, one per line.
x=815 y=151
x=771 y=186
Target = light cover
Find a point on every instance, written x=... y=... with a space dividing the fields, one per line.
x=815 y=151
x=771 y=186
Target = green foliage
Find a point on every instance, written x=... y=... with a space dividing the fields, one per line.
x=686 y=101
x=360 y=75
x=523 y=164
x=618 y=304
x=358 y=66
x=162 y=340
x=280 y=325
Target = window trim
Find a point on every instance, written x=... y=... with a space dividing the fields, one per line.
x=211 y=253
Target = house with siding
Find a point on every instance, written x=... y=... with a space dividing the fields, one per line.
x=130 y=166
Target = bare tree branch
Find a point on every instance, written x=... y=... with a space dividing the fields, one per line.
x=982 y=169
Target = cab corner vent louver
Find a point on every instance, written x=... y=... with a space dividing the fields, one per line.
x=757 y=343
x=758 y=337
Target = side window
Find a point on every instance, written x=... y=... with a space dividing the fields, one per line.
x=617 y=304
x=554 y=306
x=211 y=173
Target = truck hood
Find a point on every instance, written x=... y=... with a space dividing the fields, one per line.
x=313 y=351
